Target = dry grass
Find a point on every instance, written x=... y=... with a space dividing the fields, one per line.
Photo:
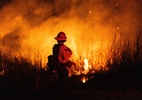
x=122 y=82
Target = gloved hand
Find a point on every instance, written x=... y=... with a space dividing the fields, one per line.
x=70 y=64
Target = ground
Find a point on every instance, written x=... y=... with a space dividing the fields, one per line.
x=118 y=85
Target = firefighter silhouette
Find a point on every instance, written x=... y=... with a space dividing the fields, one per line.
x=59 y=62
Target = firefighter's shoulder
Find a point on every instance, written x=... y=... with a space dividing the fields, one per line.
x=62 y=46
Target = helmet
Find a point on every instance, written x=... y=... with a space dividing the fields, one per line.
x=61 y=36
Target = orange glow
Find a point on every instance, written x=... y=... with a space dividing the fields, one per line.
x=86 y=66
x=84 y=79
x=28 y=29
x=2 y=72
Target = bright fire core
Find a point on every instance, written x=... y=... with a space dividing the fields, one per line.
x=97 y=31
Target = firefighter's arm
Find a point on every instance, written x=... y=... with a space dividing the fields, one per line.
x=69 y=52
x=61 y=57
x=61 y=60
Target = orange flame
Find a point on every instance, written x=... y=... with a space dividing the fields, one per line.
x=84 y=79
x=29 y=27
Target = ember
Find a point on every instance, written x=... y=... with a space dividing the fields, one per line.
x=2 y=72
x=84 y=79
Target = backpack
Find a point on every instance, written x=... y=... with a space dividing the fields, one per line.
x=52 y=60
x=52 y=64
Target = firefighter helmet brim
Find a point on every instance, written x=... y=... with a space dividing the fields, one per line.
x=61 y=36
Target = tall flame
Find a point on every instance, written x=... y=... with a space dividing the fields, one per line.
x=86 y=66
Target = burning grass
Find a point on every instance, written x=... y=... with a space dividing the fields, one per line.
x=20 y=74
x=20 y=78
x=105 y=40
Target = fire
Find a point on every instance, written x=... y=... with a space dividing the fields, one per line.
x=2 y=72
x=98 y=33
x=84 y=79
x=86 y=66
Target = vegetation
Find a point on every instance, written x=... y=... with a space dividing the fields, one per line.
x=19 y=77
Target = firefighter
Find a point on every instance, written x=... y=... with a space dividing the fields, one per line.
x=62 y=53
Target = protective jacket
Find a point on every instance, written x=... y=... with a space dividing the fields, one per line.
x=61 y=53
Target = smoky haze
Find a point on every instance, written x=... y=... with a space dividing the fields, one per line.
x=28 y=27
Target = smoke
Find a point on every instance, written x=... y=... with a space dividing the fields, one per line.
x=29 y=26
